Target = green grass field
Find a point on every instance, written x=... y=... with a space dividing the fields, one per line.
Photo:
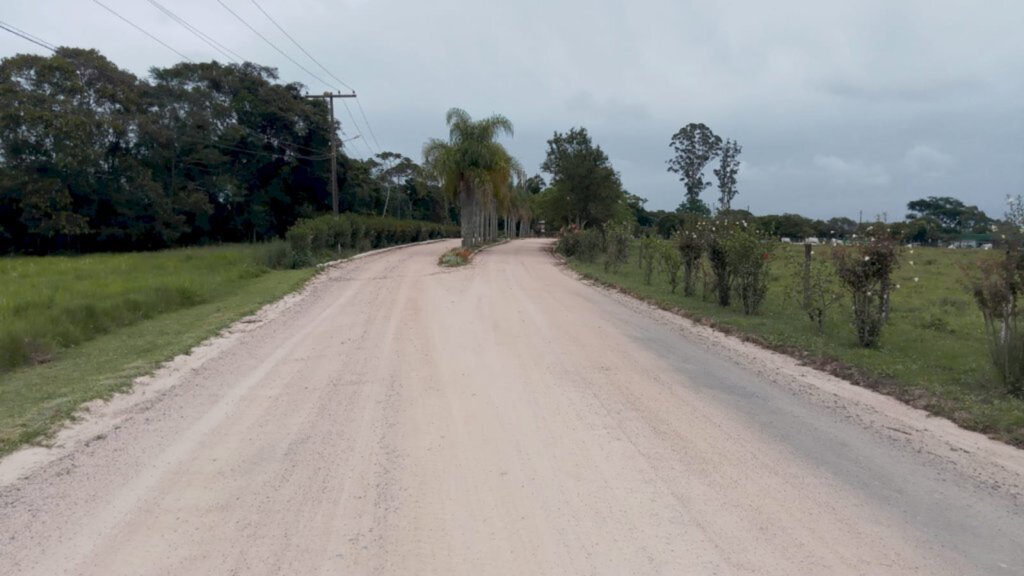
x=933 y=353
x=73 y=329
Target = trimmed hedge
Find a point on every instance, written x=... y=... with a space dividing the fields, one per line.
x=312 y=240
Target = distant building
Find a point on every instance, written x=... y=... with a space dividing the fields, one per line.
x=971 y=241
x=964 y=243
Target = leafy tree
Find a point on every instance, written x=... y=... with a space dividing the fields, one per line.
x=259 y=140
x=919 y=231
x=475 y=169
x=694 y=146
x=841 y=227
x=951 y=214
x=635 y=205
x=69 y=135
x=585 y=189
x=695 y=206
x=535 y=184
x=667 y=223
x=728 y=168
x=396 y=174
x=94 y=158
x=787 y=226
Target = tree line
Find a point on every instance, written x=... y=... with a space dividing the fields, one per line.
x=93 y=157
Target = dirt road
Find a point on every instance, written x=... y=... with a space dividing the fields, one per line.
x=503 y=418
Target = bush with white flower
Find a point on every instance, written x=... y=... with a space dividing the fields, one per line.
x=866 y=272
x=997 y=286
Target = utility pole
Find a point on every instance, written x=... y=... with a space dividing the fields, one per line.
x=329 y=96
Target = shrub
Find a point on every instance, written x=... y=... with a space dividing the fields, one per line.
x=816 y=289
x=997 y=286
x=276 y=255
x=328 y=236
x=300 y=238
x=671 y=263
x=867 y=274
x=690 y=241
x=748 y=256
x=455 y=257
x=582 y=244
x=616 y=245
x=649 y=253
x=718 y=260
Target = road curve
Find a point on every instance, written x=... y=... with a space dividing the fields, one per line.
x=504 y=418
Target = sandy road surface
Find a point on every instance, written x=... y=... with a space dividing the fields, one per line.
x=504 y=418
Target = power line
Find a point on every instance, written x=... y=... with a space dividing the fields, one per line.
x=358 y=128
x=140 y=29
x=367 y=121
x=332 y=75
x=65 y=54
x=27 y=36
x=271 y=44
x=299 y=46
x=196 y=140
x=224 y=50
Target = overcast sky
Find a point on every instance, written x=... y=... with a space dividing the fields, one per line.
x=841 y=106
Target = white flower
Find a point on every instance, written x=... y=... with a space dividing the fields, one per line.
x=897 y=286
x=911 y=262
x=916 y=278
x=866 y=258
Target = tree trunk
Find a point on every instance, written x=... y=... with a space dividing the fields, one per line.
x=466 y=214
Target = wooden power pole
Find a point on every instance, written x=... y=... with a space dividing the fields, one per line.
x=330 y=96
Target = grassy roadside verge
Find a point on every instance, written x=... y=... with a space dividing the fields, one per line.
x=933 y=355
x=35 y=399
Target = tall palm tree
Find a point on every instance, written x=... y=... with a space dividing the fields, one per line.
x=523 y=210
x=474 y=169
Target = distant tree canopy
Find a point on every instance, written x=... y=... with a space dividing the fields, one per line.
x=792 y=226
x=950 y=214
x=585 y=189
x=94 y=158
